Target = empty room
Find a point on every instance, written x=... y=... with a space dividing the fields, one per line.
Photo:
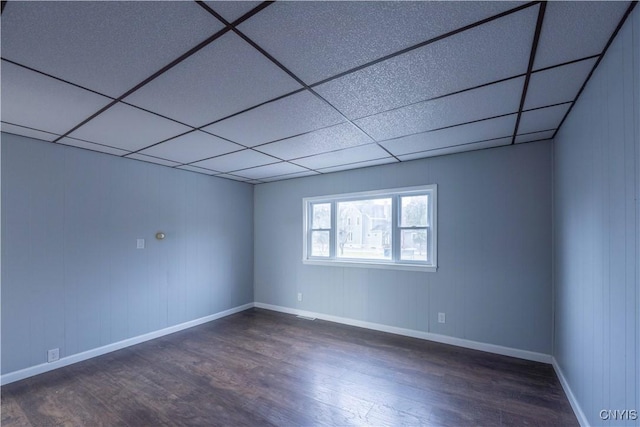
x=302 y=213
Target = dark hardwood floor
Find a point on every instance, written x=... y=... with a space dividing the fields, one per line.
x=263 y=368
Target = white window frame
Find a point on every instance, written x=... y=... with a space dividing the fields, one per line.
x=431 y=265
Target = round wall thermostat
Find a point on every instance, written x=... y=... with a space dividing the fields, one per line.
x=160 y=236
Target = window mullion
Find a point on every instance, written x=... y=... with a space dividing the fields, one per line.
x=333 y=238
x=309 y=208
x=395 y=227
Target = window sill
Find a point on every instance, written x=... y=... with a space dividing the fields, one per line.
x=364 y=264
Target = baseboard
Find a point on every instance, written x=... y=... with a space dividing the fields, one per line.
x=460 y=342
x=577 y=410
x=79 y=357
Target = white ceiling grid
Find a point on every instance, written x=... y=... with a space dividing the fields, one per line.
x=260 y=92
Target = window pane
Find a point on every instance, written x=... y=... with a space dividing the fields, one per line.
x=321 y=216
x=413 y=245
x=413 y=211
x=320 y=243
x=364 y=229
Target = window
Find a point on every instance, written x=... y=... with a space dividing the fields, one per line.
x=384 y=229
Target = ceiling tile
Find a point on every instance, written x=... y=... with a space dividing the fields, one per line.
x=542 y=119
x=198 y=170
x=332 y=138
x=236 y=161
x=458 y=135
x=192 y=147
x=33 y=100
x=232 y=177
x=288 y=176
x=458 y=149
x=91 y=146
x=267 y=171
x=317 y=40
x=223 y=78
x=150 y=159
x=28 y=132
x=293 y=115
x=105 y=46
x=536 y=136
x=359 y=165
x=558 y=84
x=342 y=157
x=488 y=101
x=232 y=10
x=497 y=50
x=574 y=30
x=129 y=128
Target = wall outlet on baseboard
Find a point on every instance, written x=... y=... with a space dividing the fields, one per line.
x=53 y=355
x=299 y=296
x=441 y=318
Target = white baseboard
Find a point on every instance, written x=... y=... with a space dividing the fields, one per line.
x=460 y=342
x=577 y=410
x=79 y=357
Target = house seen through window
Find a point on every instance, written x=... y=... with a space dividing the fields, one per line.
x=390 y=228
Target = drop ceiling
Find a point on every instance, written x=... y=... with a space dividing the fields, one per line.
x=260 y=92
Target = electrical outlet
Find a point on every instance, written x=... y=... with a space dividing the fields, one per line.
x=299 y=296
x=441 y=318
x=53 y=355
x=140 y=244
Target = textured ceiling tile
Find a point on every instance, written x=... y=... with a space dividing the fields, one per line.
x=192 y=147
x=536 y=136
x=232 y=10
x=33 y=100
x=317 y=40
x=458 y=149
x=489 y=101
x=236 y=161
x=332 y=138
x=150 y=159
x=557 y=85
x=105 y=46
x=232 y=177
x=223 y=78
x=497 y=50
x=459 y=135
x=542 y=119
x=361 y=153
x=28 y=132
x=574 y=30
x=289 y=176
x=359 y=165
x=129 y=128
x=198 y=170
x=293 y=115
x=91 y=146
x=270 y=170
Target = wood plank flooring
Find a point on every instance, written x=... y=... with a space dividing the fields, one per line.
x=261 y=368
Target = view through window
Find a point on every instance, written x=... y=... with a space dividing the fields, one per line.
x=390 y=227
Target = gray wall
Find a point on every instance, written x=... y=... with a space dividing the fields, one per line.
x=71 y=274
x=596 y=234
x=494 y=240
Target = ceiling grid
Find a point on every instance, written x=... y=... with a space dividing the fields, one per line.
x=265 y=91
